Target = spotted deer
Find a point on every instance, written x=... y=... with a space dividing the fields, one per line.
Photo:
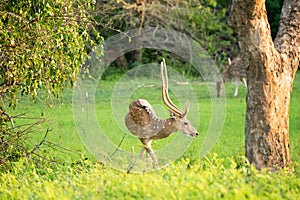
x=142 y=121
x=234 y=70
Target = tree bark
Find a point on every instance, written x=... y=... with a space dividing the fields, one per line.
x=270 y=69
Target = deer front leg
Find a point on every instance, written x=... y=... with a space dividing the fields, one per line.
x=148 y=148
x=245 y=82
x=152 y=154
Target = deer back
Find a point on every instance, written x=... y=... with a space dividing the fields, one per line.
x=141 y=119
x=235 y=68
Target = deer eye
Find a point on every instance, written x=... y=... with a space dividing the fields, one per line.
x=185 y=123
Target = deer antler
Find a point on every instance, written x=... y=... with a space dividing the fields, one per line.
x=165 y=93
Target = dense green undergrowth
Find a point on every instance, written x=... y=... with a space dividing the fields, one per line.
x=211 y=177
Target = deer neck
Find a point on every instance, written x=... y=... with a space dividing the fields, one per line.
x=169 y=127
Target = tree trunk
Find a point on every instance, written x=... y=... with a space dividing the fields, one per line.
x=270 y=69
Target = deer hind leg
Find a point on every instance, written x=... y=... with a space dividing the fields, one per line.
x=236 y=81
x=219 y=86
x=142 y=152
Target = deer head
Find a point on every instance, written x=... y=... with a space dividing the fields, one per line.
x=179 y=118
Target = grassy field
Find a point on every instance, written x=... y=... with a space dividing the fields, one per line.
x=222 y=173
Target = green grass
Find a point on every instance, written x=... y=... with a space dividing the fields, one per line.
x=222 y=173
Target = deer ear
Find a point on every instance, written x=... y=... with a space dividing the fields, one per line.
x=187 y=106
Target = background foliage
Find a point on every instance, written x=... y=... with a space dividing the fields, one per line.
x=43 y=44
x=203 y=21
x=274 y=11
